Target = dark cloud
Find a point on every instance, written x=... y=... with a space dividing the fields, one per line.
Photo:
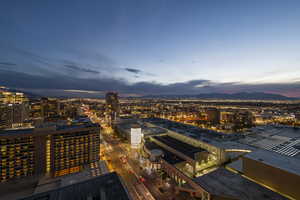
x=8 y=63
x=18 y=79
x=132 y=70
x=62 y=82
x=34 y=63
x=81 y=69
x=138 y=72
x=30 y=61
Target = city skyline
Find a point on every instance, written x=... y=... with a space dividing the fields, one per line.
x=151 y=47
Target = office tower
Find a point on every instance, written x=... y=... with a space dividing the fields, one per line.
x=17 y=156
x=70 y=111
x=71 y=150
x=55 y=150
x=20 y=113
x=297 y=116
x=5 y=116
x=213 y=116
x=12 y=97
x=243 y=119
x=13 y=115
x=13 y=109
x=112 y=106
x=50 y=108
x=227 y=117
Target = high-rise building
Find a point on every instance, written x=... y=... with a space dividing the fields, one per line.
x=213 y=116
x=112 y=106
x=55 y=150
x=297 y=116
x=50 y=108
x=20 y=113
x=70 y=111
x=13 y=115
x=14 y=108
x=227 y=117
x=243 y=119
x=7 y=97
x=5 y=116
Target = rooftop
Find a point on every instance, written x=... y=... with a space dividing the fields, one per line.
x=104 y=187
x=222 y=182
x=282 y=140
x=285 y=163
x=152 y=130
x=126 y=125
x=91 y=170
x=32 y=185
x=204 y=135
x=182 y=147
x=167 y=155
x=23 y=131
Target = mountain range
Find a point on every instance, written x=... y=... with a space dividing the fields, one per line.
x=207 y=96
x=234 y=96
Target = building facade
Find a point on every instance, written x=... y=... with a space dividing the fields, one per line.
x=112 y=106
x=54 y=150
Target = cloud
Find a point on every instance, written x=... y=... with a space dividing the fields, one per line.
x=75 y=84
x=24 y=80
x=8 y=63
x=137 y=72
x=75 y=63
x=27 y=60
x=85 y=91
x=132 y=70
x=81 y=69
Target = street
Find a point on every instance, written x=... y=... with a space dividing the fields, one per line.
x=126 y=170
x=140 y=185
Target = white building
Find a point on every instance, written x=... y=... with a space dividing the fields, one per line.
x=135 y=136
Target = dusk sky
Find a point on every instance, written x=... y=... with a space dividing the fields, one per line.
x=151 y=46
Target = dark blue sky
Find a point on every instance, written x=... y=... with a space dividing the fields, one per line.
x=151 y=46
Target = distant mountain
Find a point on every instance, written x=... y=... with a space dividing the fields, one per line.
x=234 y=96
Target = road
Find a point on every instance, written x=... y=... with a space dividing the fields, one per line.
x=130 y=171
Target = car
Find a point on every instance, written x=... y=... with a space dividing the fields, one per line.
x=142 y=179
x=123 y=159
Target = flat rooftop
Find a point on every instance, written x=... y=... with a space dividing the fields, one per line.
x=182 y=147
x=292 y=132
x=104 y=187
x=205 y=135
x=222 y=182
x=153 y=130
x=10 y=132
x=285 y=163
x=20 y=188
x=279 y=139
x=90 y=170
x=167 y=155
x=126 y=125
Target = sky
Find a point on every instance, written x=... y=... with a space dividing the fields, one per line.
x=141 y=47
